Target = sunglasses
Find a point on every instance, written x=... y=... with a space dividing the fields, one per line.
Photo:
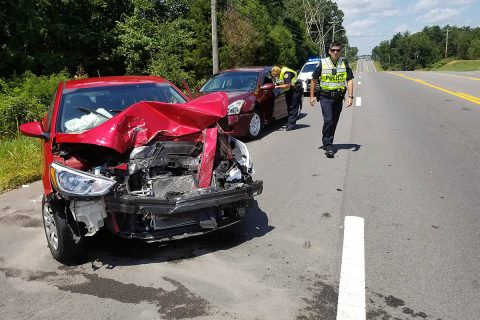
x=335 y=50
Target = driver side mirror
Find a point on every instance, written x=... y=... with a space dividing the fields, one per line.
x=34 y=129
x=267 y=86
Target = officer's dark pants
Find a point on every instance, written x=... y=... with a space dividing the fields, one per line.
x=331 y=110
x=293 y=98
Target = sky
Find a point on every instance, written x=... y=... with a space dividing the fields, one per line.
x=368 y=22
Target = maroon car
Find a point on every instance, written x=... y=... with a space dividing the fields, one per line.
x=133 y=155
x=253 y=100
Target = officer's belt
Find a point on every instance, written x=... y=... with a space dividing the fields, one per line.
x=333 y=94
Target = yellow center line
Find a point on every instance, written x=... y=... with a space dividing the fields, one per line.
x=454 y=75
x=457 y=94
x=469 y=96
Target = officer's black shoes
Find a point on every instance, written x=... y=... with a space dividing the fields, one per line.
x=330 y=153
x=290 y=127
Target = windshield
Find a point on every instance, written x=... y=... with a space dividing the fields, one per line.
x=309 y=67
x=86 y=108
x=232 y=81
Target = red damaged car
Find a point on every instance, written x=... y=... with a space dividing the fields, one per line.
x=253 y=100
x=133 y=155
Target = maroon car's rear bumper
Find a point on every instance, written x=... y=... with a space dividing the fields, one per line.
x=238 y=124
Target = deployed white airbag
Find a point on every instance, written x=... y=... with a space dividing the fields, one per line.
x=87 y=121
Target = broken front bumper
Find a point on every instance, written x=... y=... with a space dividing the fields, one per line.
x=153 y=219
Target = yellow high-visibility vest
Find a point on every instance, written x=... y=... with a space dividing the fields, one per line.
x=281 y=77
x=330 y=80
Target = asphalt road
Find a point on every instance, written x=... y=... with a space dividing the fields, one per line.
x=364 y=65
x=407 y=163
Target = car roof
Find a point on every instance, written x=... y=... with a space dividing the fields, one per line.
x=258 y=69
x=112 y=81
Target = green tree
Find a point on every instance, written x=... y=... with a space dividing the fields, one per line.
x=474 y=50
x=151 y=45
x=382 y=53
x=460 y=42
x=46 y=36
x=285 y=50
x=351 y=53
x=199 y=58
x=422 y=51
x=239 y=40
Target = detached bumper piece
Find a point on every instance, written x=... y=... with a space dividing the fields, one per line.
x=153 y=219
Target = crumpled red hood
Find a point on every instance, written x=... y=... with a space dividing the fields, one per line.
x=139 y=123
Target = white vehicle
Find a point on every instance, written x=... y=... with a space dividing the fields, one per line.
x=306 y=73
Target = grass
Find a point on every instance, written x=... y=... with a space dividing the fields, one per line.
x=20 y=160
x=353 y=65
x=460 y=65
x=377 y=65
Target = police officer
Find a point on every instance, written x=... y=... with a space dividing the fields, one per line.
x=336 y=78
x=286 y=79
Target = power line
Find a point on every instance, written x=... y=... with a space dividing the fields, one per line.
x=375 y=36
x=314 y=22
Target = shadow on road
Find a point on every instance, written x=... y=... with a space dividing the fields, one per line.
x=301 y=126
x=280 y=125
x=301 y=115
x=345 y=146
x=106 y=250
x=272 y=127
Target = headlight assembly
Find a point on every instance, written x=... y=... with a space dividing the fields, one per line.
x=235 y=107
x=76 y=183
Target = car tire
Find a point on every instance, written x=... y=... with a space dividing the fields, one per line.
x=65 y=246
x=255 y=125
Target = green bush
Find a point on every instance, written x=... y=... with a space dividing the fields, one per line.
x=15 y=110
x=438 y=64
x=25 y=98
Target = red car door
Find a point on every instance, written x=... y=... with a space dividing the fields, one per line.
x=279 y=105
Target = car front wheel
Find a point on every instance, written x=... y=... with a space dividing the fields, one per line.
x=64 y=245
x=255 y=125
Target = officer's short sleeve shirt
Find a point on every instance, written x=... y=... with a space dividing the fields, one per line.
x=318 y=71
x=287 y=77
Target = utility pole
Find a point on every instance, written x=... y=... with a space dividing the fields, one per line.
x=446 y=45
x=214 y=37
x=334 y=22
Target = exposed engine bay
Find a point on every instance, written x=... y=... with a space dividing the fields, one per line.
x=168 y=188
x=169 y=170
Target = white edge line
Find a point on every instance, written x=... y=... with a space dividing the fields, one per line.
x=351 y=293
x=358 y=102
